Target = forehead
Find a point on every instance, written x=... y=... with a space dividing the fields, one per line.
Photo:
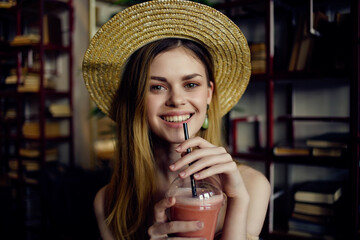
x=177 y=55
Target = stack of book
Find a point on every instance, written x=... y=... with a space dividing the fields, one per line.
x=329 y=144
x=326 y=145
x=12 y=78
x=315 y=209
x=51 y=154
x=31 y=169
x=31 y=163
x=7 y=4
x=296 y=149
x=10 y=114
x=60 y=110
x=105 y=148
x=258 y=58
x=28 y=39
x=31 y=83
x=32 y=130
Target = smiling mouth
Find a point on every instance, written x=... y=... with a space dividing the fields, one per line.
x=179 y=118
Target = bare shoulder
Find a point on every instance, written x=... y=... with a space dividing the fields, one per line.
x=259 y=191
x=254 y=180
x=99 y=203
x=99 y=209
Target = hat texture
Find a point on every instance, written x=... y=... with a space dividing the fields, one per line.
x=146 y=22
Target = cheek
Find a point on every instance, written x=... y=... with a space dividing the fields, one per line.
x=152 y=107
x=203 y=99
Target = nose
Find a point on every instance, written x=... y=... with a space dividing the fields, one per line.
x=175 y=98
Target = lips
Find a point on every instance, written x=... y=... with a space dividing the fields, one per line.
x=177 y=118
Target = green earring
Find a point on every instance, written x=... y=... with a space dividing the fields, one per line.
x=206 y=121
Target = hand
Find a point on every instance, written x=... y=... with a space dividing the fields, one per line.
x=209 y=160
x=162 y=227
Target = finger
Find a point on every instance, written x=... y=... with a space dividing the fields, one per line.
x=160 y=208
x=181 y=238
x=201 y=154
x=208 y=164
x=194 y=142
x=228 y=169
x=162 y=229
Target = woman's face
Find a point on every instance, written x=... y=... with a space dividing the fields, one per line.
x=178 y=93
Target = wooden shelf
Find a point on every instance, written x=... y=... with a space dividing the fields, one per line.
x=332 y=162
x=50 y=6
x=283 y=123
x=47 y=92
x=29 y=17
x=283 y=235
x=314 y=119
x=260 y=156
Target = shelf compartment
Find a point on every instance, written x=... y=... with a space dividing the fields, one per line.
x=314 y=118
x=256 y=156
x=340 y=162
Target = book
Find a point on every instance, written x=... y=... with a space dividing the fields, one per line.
x=105 y=148
x=29 y=165
x=291 y=150
x=31 y=83
x=329 y=140
x=312 y=218
x=14 y=175
x=21 y=40
x=327 y=152
x=297 y=43
x=309 y=227
x=258 y=58
x=7 y=3
x=60 y=110
x=313 y=209
x=51 y=154
x=310 y=235
x=324 y=192
x=52 y=30
x=302 y=52
x=10 y=114
x=12 y=79
x=32 y=130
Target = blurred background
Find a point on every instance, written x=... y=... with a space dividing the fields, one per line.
x=297 y=123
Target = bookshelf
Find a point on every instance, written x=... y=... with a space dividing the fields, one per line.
x=285 y=106
x=36 y=73
x=289 y=105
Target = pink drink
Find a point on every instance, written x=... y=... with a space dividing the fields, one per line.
x=205 y=207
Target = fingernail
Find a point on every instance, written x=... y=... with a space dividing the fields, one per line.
x=172 y=167
x=178 y=148
x=170 y=199
x=200 y=224
x=196 y=175
x=182 y=174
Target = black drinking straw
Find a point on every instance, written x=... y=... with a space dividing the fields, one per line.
x=192 y=180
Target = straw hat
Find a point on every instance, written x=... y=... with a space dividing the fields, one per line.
x=143 y=23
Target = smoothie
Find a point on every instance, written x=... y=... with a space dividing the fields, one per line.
x=203 y=208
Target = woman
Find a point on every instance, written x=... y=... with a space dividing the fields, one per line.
x=150 y=84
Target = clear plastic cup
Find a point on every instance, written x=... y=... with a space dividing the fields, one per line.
x=204 y=207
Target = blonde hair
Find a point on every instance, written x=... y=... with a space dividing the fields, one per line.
x=133 y=183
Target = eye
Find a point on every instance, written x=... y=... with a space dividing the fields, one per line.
x=156 y=88
x=191 y=85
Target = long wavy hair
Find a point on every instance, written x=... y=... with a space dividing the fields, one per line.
x=128 y=200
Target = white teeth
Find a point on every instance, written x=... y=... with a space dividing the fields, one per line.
x=177 y=118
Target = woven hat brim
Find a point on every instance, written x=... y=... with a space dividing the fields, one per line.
x=143 y=23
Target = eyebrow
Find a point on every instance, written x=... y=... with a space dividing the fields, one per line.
x=187 y=77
